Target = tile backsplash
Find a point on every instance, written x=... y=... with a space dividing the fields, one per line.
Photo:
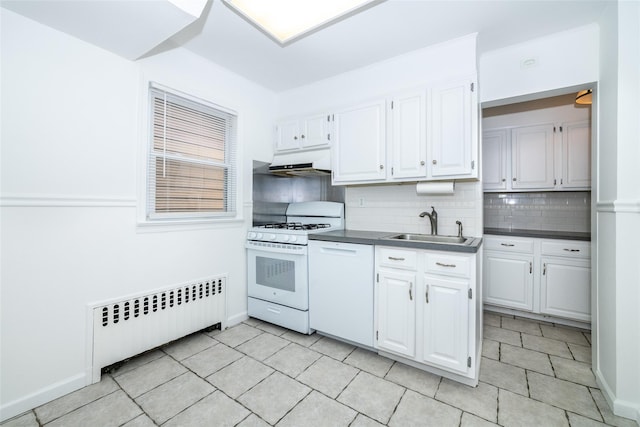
x=554 y=211
x=396 y=208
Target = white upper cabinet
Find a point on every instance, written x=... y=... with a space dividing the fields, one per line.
x=408 y=137
x=532 y=157
x=494 y=160
x=576 y=156
x=548 y=157
x=427 y=134
x=453 y=127
x=359 y=145
x=302 y=133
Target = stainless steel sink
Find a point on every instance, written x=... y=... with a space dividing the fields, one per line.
x=429 y=238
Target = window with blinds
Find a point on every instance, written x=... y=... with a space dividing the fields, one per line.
x=192 y=165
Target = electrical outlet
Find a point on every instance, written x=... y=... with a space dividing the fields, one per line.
x=361 y=201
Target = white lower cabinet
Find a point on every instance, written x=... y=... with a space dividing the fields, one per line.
x=397 y=312
x=508 y=279
x=425 y=310
x=540 y=276
x=445 y=323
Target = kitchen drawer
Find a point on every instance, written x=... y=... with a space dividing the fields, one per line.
x=397 y=258
x=508 y=244
x=567 y=248
x=450 y=265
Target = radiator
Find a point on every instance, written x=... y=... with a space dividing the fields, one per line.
x=135 y=324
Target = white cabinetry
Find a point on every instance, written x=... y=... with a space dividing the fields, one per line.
x=426 y=312
x=576 y=156
x=408 y=137
x=302 y=133
x=453 y=128
x=508 y=272
x=565 y=287
x=445 y=316
x=358 y=153
x=396 y=307
x=426 y=134
x=494 y=160
x=548 y=157
x=532 y=157
x=540 y=276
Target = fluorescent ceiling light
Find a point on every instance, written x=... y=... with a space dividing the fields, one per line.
x=286 y=20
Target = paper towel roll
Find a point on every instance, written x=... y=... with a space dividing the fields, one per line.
x=446 y=187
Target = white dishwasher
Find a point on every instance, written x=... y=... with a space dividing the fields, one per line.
x=341 y=290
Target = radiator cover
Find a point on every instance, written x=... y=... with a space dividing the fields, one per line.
x=129 y=326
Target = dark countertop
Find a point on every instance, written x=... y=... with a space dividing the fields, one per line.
x=541 y=234
x=364 y=237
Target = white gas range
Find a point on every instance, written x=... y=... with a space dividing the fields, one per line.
x=277 y=266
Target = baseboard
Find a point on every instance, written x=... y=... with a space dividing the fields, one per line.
x=45 y=395
x=619 y=407
x=538 y=317
x=236 y=319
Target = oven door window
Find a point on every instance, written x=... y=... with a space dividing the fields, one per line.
x=277 y=277
x=276 y=273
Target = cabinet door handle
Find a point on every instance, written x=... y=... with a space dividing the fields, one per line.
x=514 y=179
x=302 y=136
x=571 y=250
x=411 y=291
x=381 y=167
x=544 y=269
x=393 y=258
x=445 y=265
x=295 y=138
x=422 y=163
x=509 y=245
x=530 y=267
x=435 y=162
x=426 y=295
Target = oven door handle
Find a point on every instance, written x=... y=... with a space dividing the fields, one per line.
x=276 y=248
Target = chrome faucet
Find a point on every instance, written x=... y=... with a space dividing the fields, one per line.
x=459 y=224
x=433 y=218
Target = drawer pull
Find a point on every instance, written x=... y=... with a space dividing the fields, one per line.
x=445 y=265
x=393 y=258
x=571 y=250
x=509 y=245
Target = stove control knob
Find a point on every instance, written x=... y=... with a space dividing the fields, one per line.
x=293 y=239
x=259 y=235
x=252 y=235
x=284 y=238
x=271 y=237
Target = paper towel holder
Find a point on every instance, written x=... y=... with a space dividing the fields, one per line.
x=435 y=188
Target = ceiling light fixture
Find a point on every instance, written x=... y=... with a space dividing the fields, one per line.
x=584 y=97
x=287 y=20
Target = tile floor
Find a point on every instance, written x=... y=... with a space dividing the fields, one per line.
x=257 y=374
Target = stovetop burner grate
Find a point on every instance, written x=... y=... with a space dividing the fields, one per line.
x=295 y=226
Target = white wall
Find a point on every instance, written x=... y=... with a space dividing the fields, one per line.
x=455 y=58
x=71 y=141
x=617 y=331
x=559 y=60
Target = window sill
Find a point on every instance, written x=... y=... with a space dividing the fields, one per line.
x=187 y=225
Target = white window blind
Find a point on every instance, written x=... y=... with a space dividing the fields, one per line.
x=192 y=164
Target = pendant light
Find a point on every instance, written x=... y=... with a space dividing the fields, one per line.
x=584 y=97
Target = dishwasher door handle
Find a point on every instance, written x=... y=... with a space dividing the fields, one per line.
x=338 y=251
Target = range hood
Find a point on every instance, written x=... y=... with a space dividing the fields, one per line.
x=302 y=163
